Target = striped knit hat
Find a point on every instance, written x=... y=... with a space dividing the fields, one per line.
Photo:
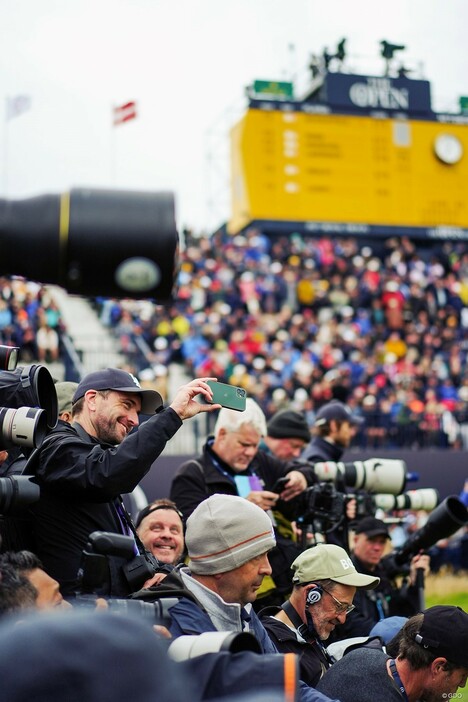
x=224 y=532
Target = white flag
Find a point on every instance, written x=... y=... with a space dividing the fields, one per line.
x=15 y=106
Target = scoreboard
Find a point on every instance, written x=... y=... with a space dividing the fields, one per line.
x=343 y=172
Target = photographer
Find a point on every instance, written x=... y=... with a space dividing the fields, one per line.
x=334 y=428
x=370 y=539
x=233 y=464
x=82 y=469
x=28 y=565
x=17 y=594
x=324 y=584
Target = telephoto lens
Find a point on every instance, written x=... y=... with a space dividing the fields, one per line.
x=25 y=426
x=425 y=499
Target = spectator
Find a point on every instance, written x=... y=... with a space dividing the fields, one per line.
x=232 y=464
x=287 y=435
x=65 y=391
x=334 y=428
x=432 y=662
x=161 y=529
x=316 y=314
x=228 y=540
x=386 y=600
x=324 y=584
x=82 y=469
x=16 y=592
x=28 y=565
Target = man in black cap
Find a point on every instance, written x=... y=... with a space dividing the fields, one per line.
x=334 y=429
x=82 y=468
x=370 y=540
x=432 y=663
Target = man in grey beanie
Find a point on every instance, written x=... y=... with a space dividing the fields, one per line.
x=228 y=539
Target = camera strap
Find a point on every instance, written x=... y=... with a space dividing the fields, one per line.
x=307 y=631
x=397 y=679
x=127 y=522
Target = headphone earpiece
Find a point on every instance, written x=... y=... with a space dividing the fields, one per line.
x=314 y=595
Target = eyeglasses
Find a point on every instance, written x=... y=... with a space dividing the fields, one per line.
x=340 y=607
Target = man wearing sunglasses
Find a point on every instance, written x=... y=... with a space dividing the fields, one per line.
x=324 y=584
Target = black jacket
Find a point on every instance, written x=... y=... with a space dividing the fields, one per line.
x=322 y=450
x=80 y=480
x=198 y=478
x=317 y=451
x=312 y=661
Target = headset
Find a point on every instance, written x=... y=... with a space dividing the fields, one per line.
x=314 y=595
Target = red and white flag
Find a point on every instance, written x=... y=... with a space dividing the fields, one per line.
x=15 y=106
x=124 y=113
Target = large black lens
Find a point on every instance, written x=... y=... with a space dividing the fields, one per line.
x=17 y=491
x=98 y=242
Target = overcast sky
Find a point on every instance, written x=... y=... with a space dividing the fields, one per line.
x=186 y=63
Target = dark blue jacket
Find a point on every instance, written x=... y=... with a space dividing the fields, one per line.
x=188 y=619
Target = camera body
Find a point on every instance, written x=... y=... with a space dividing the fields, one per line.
x=322 y=504
x=151 y=605
x=376 y=483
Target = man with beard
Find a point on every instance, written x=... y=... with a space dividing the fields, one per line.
x=334 y=428
x=82 y=468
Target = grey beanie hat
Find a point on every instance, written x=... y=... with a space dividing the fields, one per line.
x=288 y=424
x=226 y=531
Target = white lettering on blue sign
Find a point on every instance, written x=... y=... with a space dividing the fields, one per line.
x=379 y=92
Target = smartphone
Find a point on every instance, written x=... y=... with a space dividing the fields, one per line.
x=280 y=484
x=229 y=396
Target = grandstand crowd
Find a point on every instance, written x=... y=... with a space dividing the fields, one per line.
x=30 y=319
x=297 y=320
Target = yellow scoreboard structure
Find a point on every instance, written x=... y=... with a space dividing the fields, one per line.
x=382 y=172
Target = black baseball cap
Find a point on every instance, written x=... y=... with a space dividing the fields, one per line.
x=444 y=632
x=117 y=379
x=371 y=526
x=338 y=411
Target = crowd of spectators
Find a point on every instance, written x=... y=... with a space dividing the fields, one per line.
x=298 y=320
x=30 y=319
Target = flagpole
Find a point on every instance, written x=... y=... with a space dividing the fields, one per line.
x=112 y=148
x=5 y=147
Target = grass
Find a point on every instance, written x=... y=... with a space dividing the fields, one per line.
x=447 y=588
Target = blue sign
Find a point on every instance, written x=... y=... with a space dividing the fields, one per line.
x=364 y=93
